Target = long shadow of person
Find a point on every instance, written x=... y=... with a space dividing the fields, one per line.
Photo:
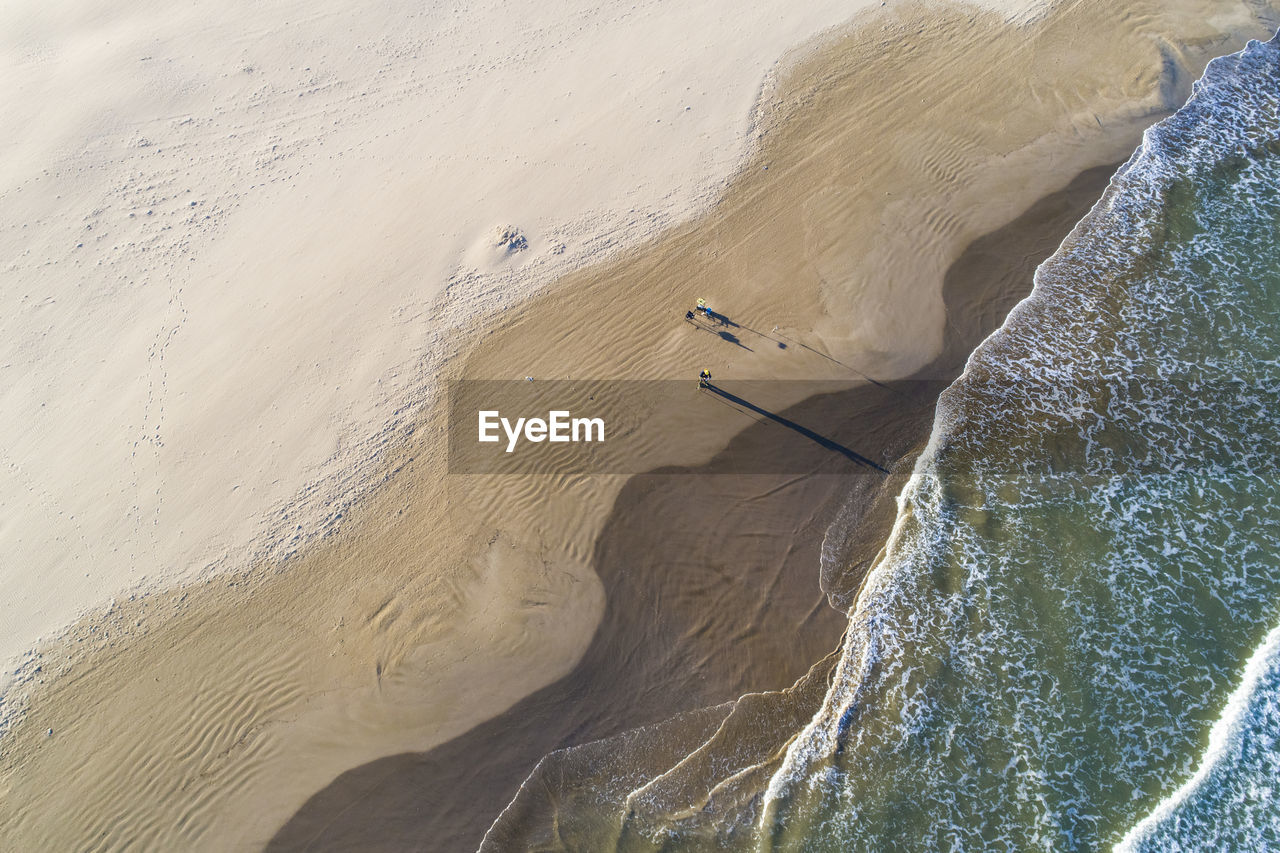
x=789 y=424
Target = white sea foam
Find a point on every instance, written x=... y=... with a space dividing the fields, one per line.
x=1233 y=799
x=1087 y=540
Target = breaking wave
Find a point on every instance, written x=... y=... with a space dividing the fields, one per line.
x=1087 y=554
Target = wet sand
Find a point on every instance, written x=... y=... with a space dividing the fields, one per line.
x=204 y=717
x=712 y=591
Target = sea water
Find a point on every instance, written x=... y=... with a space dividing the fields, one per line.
x=1072 y=640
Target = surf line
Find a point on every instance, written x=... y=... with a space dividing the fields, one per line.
x=558 y=426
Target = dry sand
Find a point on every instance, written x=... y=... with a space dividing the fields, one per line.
x=227 y=229
x=204 y=717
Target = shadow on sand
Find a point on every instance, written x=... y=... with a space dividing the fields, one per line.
x=821 y=440
x=726 y=336
x=781 y=340
x=699 y=613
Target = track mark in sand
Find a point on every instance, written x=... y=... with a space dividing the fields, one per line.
x=153 y=418
x=384 y=616
x=775 y=488
x=43 y=498
x=157 y=372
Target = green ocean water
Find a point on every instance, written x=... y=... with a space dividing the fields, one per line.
x=1069 y=643
x=1072 y=640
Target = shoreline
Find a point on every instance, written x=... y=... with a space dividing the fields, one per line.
x=395 y=802
x=442 y=604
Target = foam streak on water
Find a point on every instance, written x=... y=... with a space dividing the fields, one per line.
x=1086 y=556
x=1233 y=800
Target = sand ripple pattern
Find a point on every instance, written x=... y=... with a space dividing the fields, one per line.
x=216 y=750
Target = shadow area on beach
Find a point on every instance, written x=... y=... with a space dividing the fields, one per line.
x=713 y=591
x=818 y=439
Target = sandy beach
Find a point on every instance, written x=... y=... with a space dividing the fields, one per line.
x=754 y=551
x=243 y=239
x=407 y=644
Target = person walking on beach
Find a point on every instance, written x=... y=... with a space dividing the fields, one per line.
x=704 y=378
x=702 y=306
